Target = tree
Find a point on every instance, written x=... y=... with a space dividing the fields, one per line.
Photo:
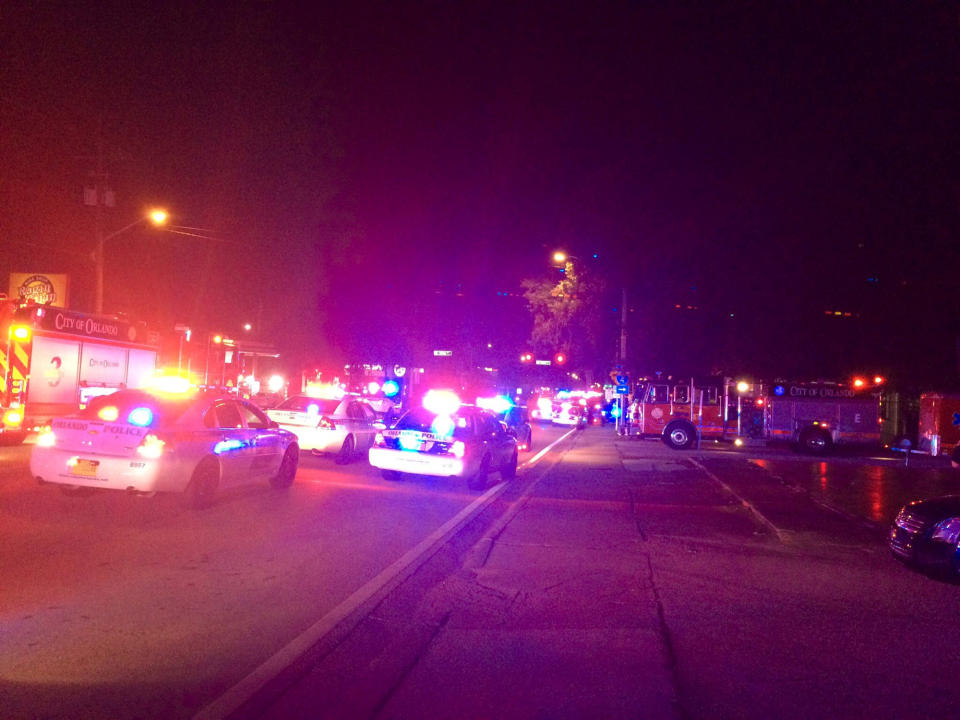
x=566 y=318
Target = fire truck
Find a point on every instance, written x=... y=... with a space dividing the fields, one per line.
x=682 y=410
x=815 y=417
x=53 y=361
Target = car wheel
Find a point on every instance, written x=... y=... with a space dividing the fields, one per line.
x=391 y=475
x=346 y=450
x=509 y=471
x=679 y=434
x=479 y=480
x=203 y=484
x=815 y=441
x=288 y=469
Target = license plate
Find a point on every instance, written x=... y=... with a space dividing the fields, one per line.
x=85 y=468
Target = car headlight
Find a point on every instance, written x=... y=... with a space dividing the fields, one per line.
x=947 y=531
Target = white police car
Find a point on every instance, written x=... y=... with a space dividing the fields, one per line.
x=446 y=439
x=343 y=425
x=190 y=442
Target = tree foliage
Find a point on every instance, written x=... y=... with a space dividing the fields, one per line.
x=565 y=317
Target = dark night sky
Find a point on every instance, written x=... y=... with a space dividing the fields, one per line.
x=362 y=165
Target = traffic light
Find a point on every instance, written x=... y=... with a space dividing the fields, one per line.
x=560 y=358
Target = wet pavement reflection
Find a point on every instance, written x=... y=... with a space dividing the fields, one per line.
x=872 y=488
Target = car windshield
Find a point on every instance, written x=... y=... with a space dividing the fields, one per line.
x=423 y=420
x=303 y=403
x=118 y=406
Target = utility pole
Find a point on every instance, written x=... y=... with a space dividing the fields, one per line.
x=99 y=196
x=623 y=327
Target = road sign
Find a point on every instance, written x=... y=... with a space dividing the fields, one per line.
x=623 y=390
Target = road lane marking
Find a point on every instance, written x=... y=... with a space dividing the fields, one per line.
x=349 y=613
x=478 y=554
x=746 y=503
x=548 y=448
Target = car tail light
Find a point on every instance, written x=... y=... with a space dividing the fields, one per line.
x=151 y=447
x=46 y=439
x=457 y=449
x=379 y=440
x=326 y=424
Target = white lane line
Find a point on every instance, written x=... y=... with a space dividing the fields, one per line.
x=548 y=448
x=747 y=504
x=348 y=614
x=478 y=554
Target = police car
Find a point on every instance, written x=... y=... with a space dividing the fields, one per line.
x=447 y=439
x=341 y=424
x=188 y=441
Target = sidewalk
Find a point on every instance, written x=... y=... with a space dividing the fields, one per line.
x=559 y=620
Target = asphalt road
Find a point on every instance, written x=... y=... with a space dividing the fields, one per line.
x=770 y=568
x=121 y=606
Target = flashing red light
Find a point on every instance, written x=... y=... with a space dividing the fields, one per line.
x=560 y=359
x=878 y=380
x=760 y=401
x=859 y=382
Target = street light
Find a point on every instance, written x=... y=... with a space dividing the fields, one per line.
x=156 y=217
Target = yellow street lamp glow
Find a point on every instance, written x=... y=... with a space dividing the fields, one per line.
x=218 y=339
x=743 y=386
x=158 y=216
x=559 y=256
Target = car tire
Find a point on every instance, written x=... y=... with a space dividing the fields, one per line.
x=815 y=441
x=346 y=450
x=288 y=469
x=509 y=471
x=202 y=488
x=679 y=434
x=391 y=475
x=478 y=480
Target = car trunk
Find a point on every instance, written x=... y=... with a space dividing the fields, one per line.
x=98 y=437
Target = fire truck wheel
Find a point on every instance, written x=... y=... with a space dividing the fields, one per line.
x=815 y=441
x=679 y=434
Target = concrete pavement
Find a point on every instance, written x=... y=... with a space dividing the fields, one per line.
x=627 y=582
x=552 y=615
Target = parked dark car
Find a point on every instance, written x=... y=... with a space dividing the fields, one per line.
x=926 y=534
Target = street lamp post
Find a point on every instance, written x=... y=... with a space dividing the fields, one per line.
x=156 y=217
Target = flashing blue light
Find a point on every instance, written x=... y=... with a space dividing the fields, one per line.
x=443 y=426
x=410 y=441
x=779 y=390
x=390 y=388
x=227 y=445
x=141 y=416
x=595 y=256
x=615 y=412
